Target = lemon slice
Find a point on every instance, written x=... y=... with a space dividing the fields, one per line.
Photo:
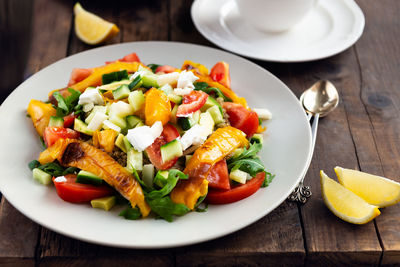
x=92 y=29
x=345 y=204
x=376 y=190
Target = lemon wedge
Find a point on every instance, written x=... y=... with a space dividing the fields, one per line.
x=92 y=29
x=345 y=204
x=376 y=190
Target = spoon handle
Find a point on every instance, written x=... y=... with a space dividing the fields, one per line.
x=301 y=193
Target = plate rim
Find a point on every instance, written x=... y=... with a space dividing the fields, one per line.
x=181 y=243
x=351 y=5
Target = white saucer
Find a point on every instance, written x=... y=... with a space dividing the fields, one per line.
x=333 y=26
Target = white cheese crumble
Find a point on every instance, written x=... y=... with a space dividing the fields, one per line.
x=185 y=83
x=263 y=113
x=89 y=98
x=169 y=78
x=194 y=136
x=60 y=179
x=144 y=136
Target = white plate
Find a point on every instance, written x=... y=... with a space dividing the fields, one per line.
x=287 y=147
x=330 y=28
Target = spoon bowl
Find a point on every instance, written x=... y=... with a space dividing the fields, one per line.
x=321 y=98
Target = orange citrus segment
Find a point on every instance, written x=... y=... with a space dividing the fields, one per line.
x=345 y=204
x=376 y=190
x=92 y=29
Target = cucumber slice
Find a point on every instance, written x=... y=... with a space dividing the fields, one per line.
x=134 y=160
x=177 y=99
x=120 y=109
x=114 y=76
x=188 y=122
x=81 y=127
x=41 y=176
x=148 y=174
x=150 y=80
x=239 y=176
x=121 y=92
x=120 y=122
x=216 y=114
x=56 y=121
x=109 y=125
x=127 y=144
x=85 y=177
x=210 y=103
x=136 y=99
x=257 y=138
x=97 y=121
x=119 y=142
x=132 y=121
x=104 y=203
x=161 y=178
x=136 y=83
x=171 y=150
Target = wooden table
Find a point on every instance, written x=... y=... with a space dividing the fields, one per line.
x=363 y=133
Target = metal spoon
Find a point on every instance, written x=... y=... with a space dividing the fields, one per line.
x=319 y=100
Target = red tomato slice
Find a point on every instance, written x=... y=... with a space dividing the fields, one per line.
x=218 y=177
x=191 y=103
x=52 y=134
x=133 y=57
x=220 y=73
x=236 y=193
x=69 y=120
x=78 y=75
x=168 y=134
x=76 y=193
x=242 y=118
x=165 y=69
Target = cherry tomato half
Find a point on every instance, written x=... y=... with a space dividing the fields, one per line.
x=220 y=73
x=218 y=177
x=52 y=134
x=168 y=134
x=69 y=120
x=237 y=193
x=76 y=193
x=165 y=69
x=242 y=118
x=78 y=75
x=191 y=103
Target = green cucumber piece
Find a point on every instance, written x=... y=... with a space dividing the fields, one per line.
x=104 y=203
x=136 y=83
x=171 y=150
x=216 y=114
x=81 y=127
x=150 y=80
x=148 y=174
x=119 y=142
x=161 y=178
x=95 y=109
x=136 y=99
x=177 y=99
x=132 y=121
x=210 y=103
x=134 y=160
x=121 y=92
x=238 y=176
x=114 y=76
x=127 y=144
x=120 y=122
x=41 y=176
x=257 y=138
x=167 y=89
x=56 y=121
x=85 y=177
x=188 y=122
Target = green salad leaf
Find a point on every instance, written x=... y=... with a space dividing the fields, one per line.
x=52 y=168
x=66 y=105
x=165 y=208
x=268 y=179
x=250 y=152
x=173 y=177
x=131 y=213
x=114 y=76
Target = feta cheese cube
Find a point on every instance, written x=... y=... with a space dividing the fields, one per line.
x=263 y=113
x=144 y=136
x=97 y=121
x=194 y=136
x=92 y=96
x=185 y=83
x=169 y=78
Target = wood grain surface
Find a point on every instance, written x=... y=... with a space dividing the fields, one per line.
x=362 y=133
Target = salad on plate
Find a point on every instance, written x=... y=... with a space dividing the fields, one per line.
x=159 y=139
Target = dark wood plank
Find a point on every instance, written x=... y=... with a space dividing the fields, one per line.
x=379 y=56
x=15 y=20
x=329 y=240
x=18 y=234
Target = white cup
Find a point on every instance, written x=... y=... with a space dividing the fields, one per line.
x=274 y=15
